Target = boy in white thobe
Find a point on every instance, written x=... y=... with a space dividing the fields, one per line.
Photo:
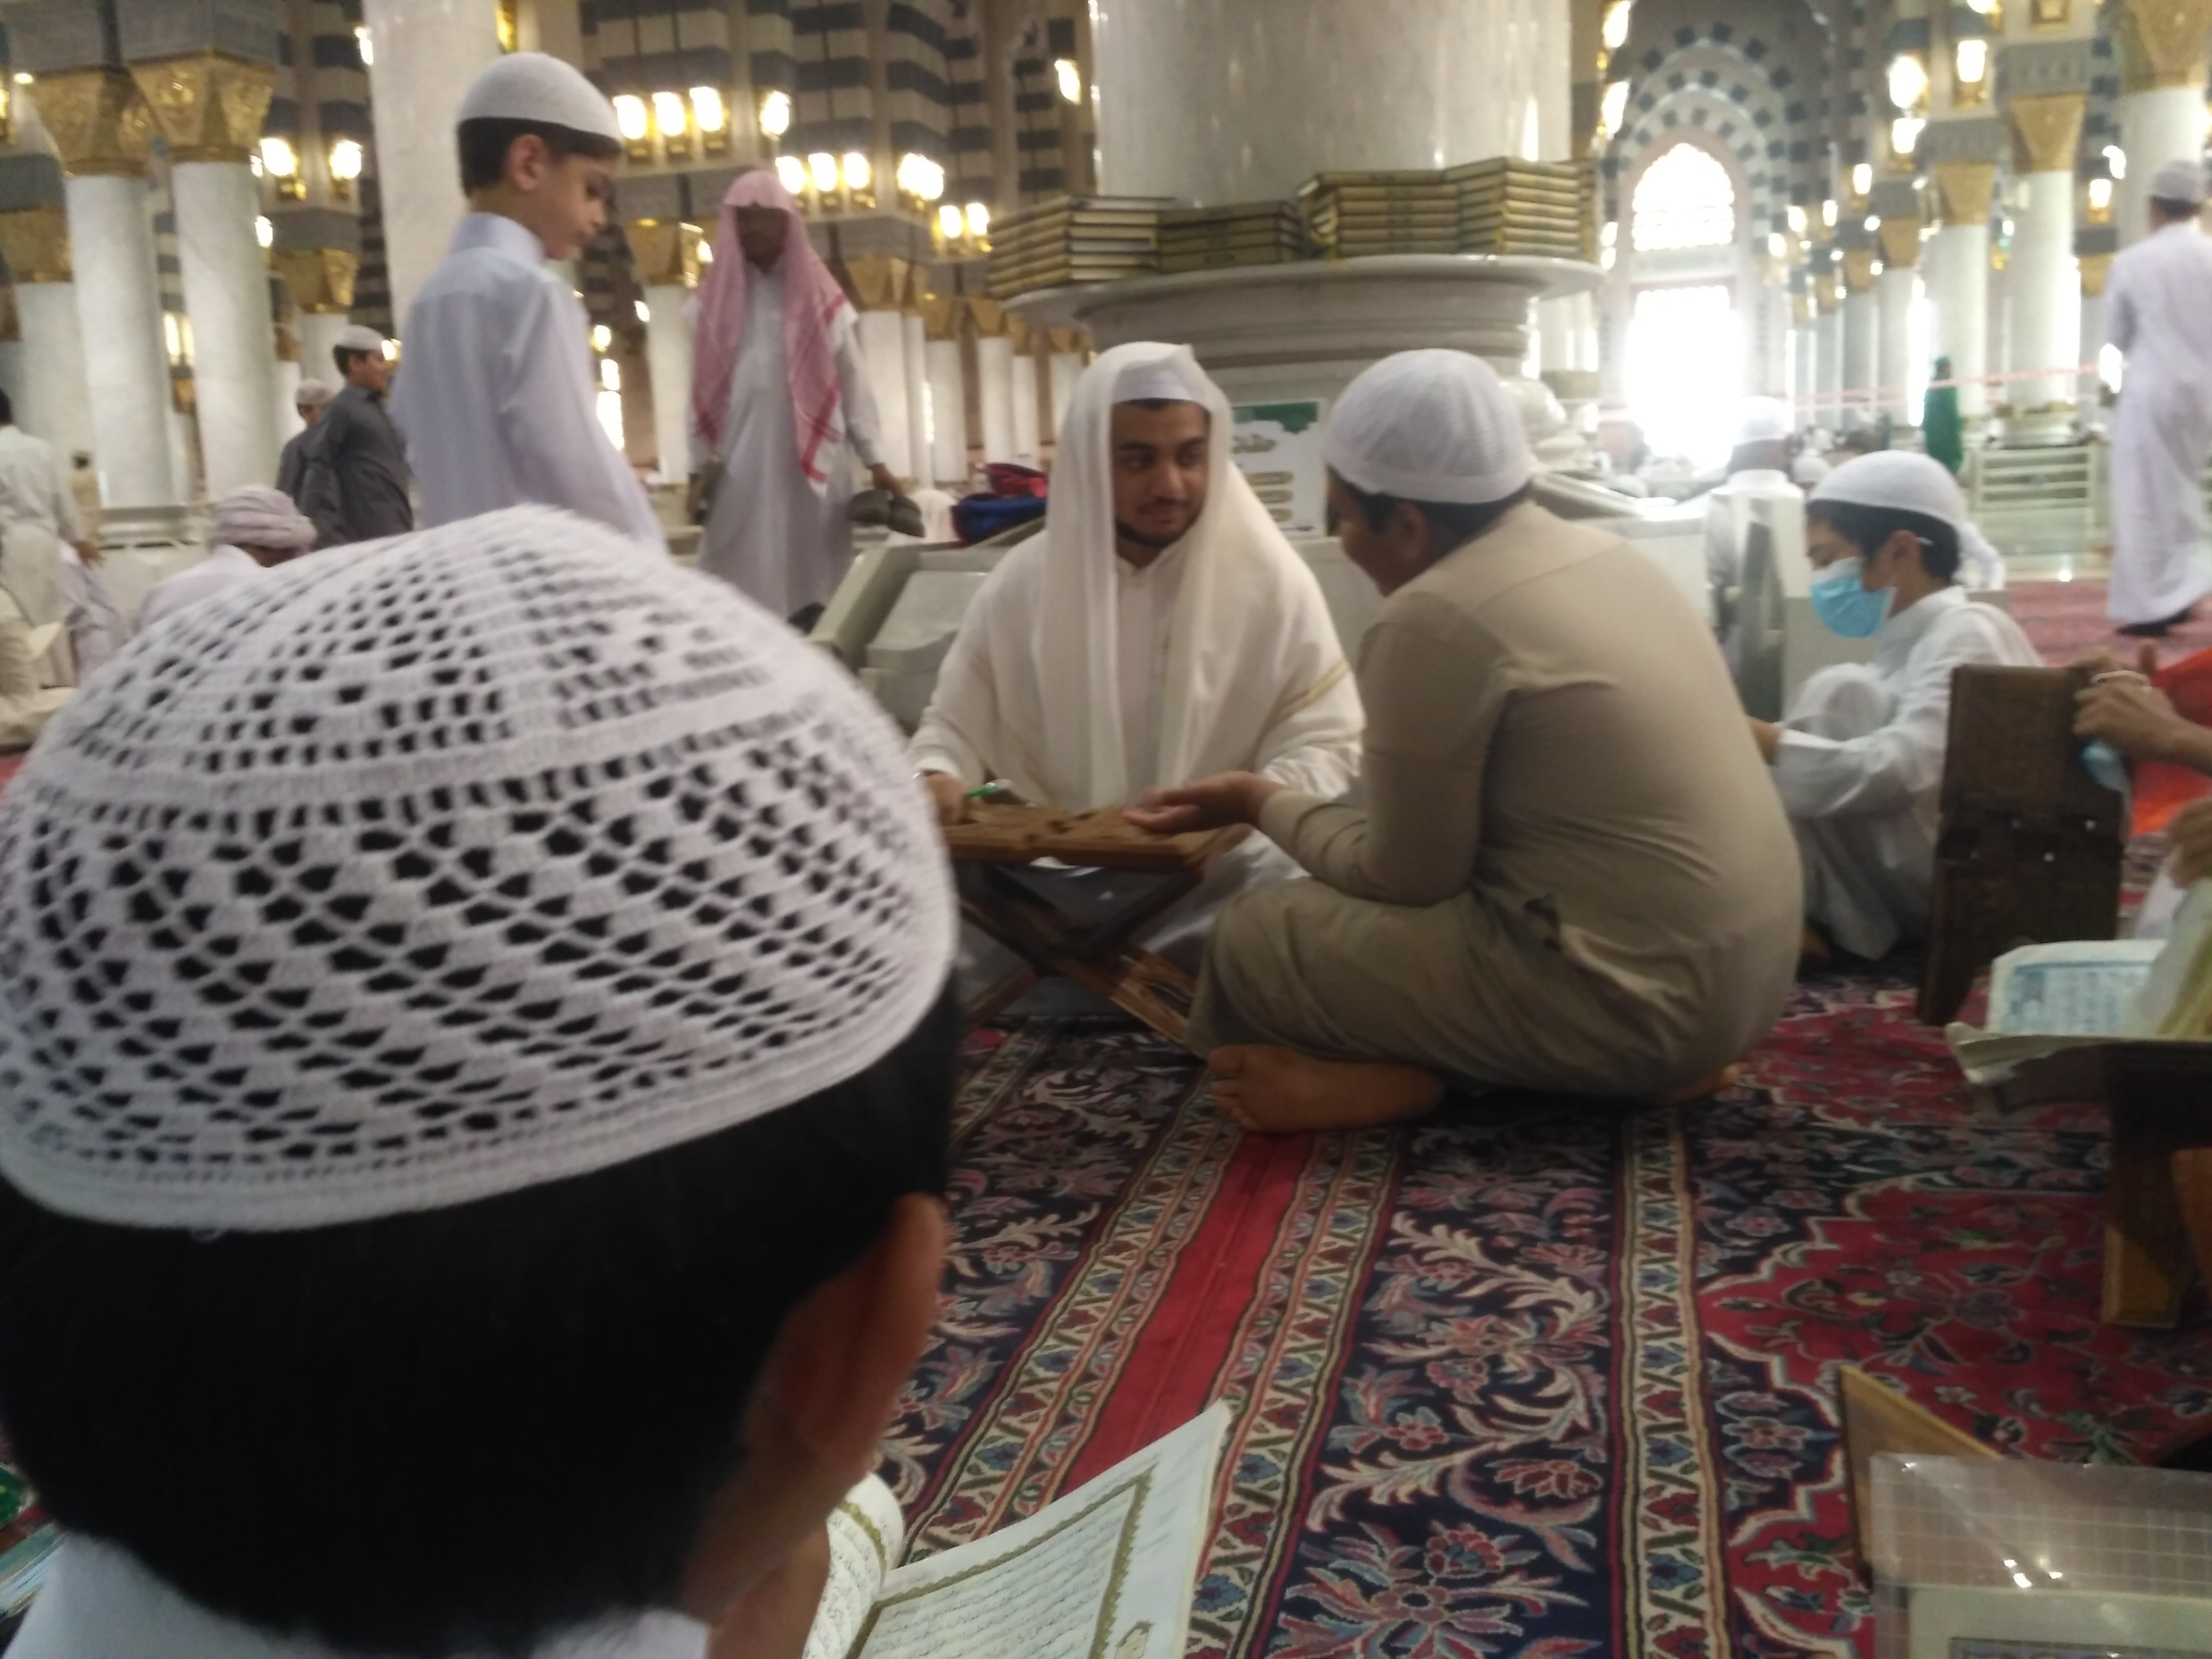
x=2158 y=310
x=496 y=396
x=781 y=396
x=1859 y=757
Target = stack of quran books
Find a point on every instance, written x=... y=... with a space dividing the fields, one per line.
x=1350 y=216
x=1523 y=207
x=1075 y=239
x=1247 y=234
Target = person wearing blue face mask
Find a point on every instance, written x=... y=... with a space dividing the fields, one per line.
x=1858 y=759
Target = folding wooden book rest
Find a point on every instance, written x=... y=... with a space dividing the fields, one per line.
x=2029 y=850
x=1101 y=956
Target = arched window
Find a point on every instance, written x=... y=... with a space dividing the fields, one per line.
x=1684 y=199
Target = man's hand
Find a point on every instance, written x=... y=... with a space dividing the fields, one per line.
x=1768 y=736
x=2192 y=842
x=946 y=795
x=1209 y=803
x=773 y=1618
x=883 y=478
x=89 y=552
x=2131 y=716
x=2105 y=661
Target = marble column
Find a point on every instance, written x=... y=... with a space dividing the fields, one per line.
x=944 y=374
x=995 y=380
x=1804 y=361
x=425 y=53
x=2095 y=268
x=1960 y=286
x=882 y=343
x=2045 y=288
x=1064 y=368
x=666 y=254
x=227 y=296
x=1896 y=288
x=1828 y=351
x=1862 y=338
x=49 y=393
x=2161 y=44
x=1218 y=101
x=920 y=416
x=1029 y=434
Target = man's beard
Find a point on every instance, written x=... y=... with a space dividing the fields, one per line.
x=1146 y=538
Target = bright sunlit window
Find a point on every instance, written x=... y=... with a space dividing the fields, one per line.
x=1684 y=199
x=1686 y=370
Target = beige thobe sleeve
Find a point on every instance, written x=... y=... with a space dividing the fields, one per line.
x=1426 y=745
x=25 y=706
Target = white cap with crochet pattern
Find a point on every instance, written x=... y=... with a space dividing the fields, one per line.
x=359 y=336
x=438 y=868
x=2180 y=181
x=1430 y=426
x=1900 y=480
x=530 y=86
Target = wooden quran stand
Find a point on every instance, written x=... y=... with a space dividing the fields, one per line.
x=2029 y=850
x=1100 y=956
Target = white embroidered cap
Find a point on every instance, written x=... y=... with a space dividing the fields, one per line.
x=530 y=86
x=2179 y=181
x=358 y=336
x=1900 y=480
x=311 y=394
x=1430 y=426
x=442 y=867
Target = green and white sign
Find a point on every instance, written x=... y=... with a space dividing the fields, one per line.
x=1277 y=449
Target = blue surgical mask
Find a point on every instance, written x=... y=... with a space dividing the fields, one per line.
x=1846 y=607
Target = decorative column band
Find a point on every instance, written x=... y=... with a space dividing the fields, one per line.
x=35 y=242
x=1966 y=189
x=666 y=252
x=210 y=107
x=319 y=279
x=2095 y=268
x=1900 y=243
x=991 y=318
x=2161 y=42
x=941 y=316
x=1858 y=269
x=878 y=281
x=2046 y=130
x=99 y=123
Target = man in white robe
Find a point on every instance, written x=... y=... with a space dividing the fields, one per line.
x=1859 y=757
x=781 y=400
x=1160 y=629
x=497 y=397
x=48 y=563
x=255 y=529
x=2158 y=310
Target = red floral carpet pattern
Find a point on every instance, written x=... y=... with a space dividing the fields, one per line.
x=2067 y=620
x=1533 y=1379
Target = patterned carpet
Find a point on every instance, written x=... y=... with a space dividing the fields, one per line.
x=2067 y=620
x=1532 y=1378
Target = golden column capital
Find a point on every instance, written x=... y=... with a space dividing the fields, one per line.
x=666 y=252
x=1069 y=343
x=1825 y=301
x=319 y=279
x=1802 y=308
x=1858 y=269
x=877 y=280
x=940 y=316
x=991 y=318
x=1025 y=334
x=2160 y=43
x=99 y=122
x=1900 y=243
x=210 y=107
x=2095 y=268
x=2046 y=130
x=1966 y=189
x=35 y=242
x=12 y=326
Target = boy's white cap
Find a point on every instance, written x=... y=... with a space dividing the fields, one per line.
x=359 y=336
x=529 y=86
x=2179 y=181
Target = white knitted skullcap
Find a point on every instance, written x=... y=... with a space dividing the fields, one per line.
x=256 y=516
x=1900 y=480
x=1762 y=420
x=311 y=394
x=1175 y=377
x=2179 y=181
x=530 y=86
x=1430 y=426
x=464 y=862
x=359 y=336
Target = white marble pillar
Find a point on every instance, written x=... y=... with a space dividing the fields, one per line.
x=1028 y=439
x=226 y=281
x=668 y=356
x=318 y=342
x=1828 y=334
x=427 y=52
x=1960 y=290
x=2157 y=125
x=119 y=311
x=1065 y=368
x=1217 y=100
x=11 y=376
x=2045 y=292
x=948 y=417
x=995 y=375
x=1805 y=373
x=1893 y=291
x=2093 y=343
x=1861 y=356
x=284 y=412
x=882 y=343
x=49 y=396
x=915 y=338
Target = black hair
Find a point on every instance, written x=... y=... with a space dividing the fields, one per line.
x=2173 y=209
x=1452 y=525
x=7 y=409
x=1155 y=405
x=1867 y=528
x=343 y=356
x=458 y=1430
x=484 y=142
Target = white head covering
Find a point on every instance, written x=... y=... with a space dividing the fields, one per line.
x=311 y=394
x=256 y=516
x=2179 y=181
x=1762 y=420
x=1250 y=642
x=530 y=86
x=1430 y=426
x=359 y=336
x=1907 y=482
x=467 y=862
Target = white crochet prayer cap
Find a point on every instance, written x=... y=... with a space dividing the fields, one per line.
x=442 y=867
x=1899 y=480
x=257 y=516
x=1762 y=420
x=359 y=336
x=1175 y=377
x=530 y=86
x=311 y=394
x=1430 y=426
x=2179 y=181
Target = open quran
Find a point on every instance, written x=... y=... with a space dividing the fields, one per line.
x=1105 y=1573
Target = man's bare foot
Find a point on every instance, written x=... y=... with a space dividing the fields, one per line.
x=1279 y=1091
x=1704 y=1089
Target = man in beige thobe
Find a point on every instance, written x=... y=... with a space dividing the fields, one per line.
x=1570 y=874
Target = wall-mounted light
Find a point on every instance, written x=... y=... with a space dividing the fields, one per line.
x=919 y=177
x=950 y=223
x=278 y=159
x=822 y=167
x=1070 y=78
x=1608 y=235
x=775 y=114
x=602 y=336
x=856 y=170
x=1778 y=246
x=1614 y=110
x=364 y=46
x=346 y=159
x=1828 y=213
x=674 y=120
x=1879 y=267
x=705 y=253
x=1798 y=221
x=1908 y=81
x=610 y=374
x=632 y=120
x=2116 y=160
x=2100 y=197
x=1904 y=134
x=1873 y=224
x=710 y=113
x=791 y=172
x=979 y=220
x=264 y=231
x=1861 y=179
x=1614 y=32
x=1971 y=58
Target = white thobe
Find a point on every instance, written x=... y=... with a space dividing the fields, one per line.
x=34 y=489
x=38 y=516
x=1861 y=767
x=770 y=533
x=223 y=566
x=99 y=1602
x=496 y=398
x=26 y=704
x=2158 y=310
